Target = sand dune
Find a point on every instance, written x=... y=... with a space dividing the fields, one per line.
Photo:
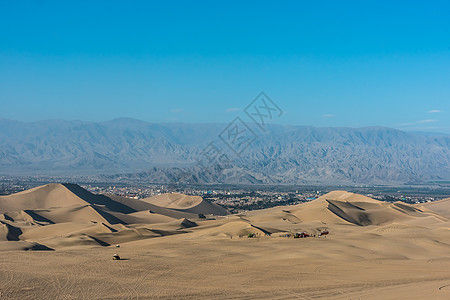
x=143 y=217
x=140 y=205
x=66 y=215
x=176 y=254
x=357 y=209
x=192 y=204
x=77 y=213
x=47 y=196
x=441 y=207
x=56 y=196
x=9 y=232
x=175 y=200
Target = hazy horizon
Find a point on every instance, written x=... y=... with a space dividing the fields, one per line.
x=409 y=130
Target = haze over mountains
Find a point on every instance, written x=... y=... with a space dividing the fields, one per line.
x=166 y=152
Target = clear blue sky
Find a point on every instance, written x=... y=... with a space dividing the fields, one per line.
x=325 y=63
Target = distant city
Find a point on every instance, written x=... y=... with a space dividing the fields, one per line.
x=235 y=198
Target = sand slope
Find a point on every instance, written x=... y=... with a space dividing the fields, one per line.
x=374 y=249
x=192 y=204
x=141 y=205
x=337 y=208
x=47 y=196
x=65 y=215
x=441 y=207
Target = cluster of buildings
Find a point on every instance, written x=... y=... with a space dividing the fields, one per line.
x=403 y=198
x=235 y=200
x=126 y=191
x=241 y=200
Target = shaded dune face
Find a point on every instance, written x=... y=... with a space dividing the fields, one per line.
x=349 y=212
x=98 y=199
x=192 y=204
x=363 y=211
x=9 y=232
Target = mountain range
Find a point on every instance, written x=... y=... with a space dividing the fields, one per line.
x=175 y=152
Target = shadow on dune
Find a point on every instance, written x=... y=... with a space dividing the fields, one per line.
x=107 y=216
x=38 y=217
x=262 y=229
x=187 y=223
x=40 y=247
x=349 y=212
x=142 y=205
x=8 y=218
x=100 y=242
x=12 y=232
x=99 y=199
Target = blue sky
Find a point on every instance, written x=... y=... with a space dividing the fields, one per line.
x=325 y=63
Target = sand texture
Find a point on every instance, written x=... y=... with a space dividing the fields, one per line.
x=373 y=249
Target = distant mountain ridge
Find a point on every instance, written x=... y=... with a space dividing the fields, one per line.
x=168 y=152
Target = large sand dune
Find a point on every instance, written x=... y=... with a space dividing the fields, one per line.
x=192 y=204
x=66 y=215
x=374 y=249
x=441 y=207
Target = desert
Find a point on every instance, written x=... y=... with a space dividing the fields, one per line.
x=57 y=241
x=224 y=150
